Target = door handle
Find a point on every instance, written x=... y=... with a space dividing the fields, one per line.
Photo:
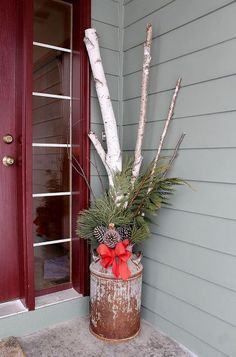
x=7 y=139
x=8 y=161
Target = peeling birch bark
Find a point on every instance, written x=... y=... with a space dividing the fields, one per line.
x=143 y=105
x=112 y=159
x=163 y=135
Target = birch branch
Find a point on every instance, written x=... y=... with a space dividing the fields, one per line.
x=113 y=157
x=143 y=104
x=101 y=152
x=163 y=135
x=175 y=153
x=173 y=157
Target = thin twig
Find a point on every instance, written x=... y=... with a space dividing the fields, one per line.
x=175 y=153
x=82 y=174
x=89 y=187
x=163 y=135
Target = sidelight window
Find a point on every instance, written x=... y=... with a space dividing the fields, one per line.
x=52 y=142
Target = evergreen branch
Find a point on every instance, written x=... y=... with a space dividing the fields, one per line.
x=139 y=234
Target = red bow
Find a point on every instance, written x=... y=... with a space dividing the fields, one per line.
x=117 y=258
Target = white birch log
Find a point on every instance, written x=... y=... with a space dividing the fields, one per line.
x=143 y=105
x=113 y=158
x=101 y=152
x=163 y=135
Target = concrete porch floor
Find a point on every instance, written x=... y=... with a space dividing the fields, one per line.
x=72 y=338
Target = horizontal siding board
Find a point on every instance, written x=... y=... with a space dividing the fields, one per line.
x=175 y=15
x=205 y=165
x=204 y=98
x=191 y=68
x=139 y=8
x=202 y=132
x=180 y=334
x=203 y=263
x=197 y=229
x=209 y=329
x=210 y=298
x=215 y=199
x=105 y=11
x=96 y=116
x=204 y=32
x=201 y=165
x=133 y=59
x=108 y=35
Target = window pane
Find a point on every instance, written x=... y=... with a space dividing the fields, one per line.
x=52 y=22
x=51 y=71
x=51 y=126
x=51 y=170
x=51 y=120
x=52 y=265
x=51 y=218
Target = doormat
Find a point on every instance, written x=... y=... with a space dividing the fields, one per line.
x=57 y=268
x=10 y=347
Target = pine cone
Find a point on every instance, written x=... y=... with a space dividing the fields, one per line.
x=99 y=232
x=111 y=238
x=125 y=232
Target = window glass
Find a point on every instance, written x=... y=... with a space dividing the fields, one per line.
x=52 y=22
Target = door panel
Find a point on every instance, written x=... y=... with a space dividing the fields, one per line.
x=9 y=243
x=40 y=194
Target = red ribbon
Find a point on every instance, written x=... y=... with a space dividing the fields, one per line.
x=117 y=258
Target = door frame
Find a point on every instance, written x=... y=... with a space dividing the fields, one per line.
x=81 y=114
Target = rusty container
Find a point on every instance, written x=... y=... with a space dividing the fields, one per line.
x=115 y=303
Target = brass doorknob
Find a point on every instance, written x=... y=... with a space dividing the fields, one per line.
x=7 y=139
x=8 y=161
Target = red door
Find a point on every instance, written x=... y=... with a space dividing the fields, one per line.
x=40 y=192
x=9 y=242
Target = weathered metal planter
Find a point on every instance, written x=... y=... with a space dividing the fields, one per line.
x=115 y=303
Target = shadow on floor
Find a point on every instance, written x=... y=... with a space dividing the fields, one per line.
x=72 y=338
